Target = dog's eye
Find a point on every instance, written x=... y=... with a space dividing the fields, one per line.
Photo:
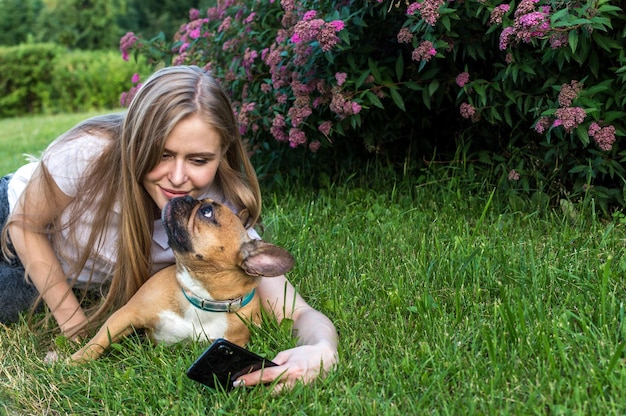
x=206 y=211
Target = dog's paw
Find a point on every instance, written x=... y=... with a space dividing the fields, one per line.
x=51 y=357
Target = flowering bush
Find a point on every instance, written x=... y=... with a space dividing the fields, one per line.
x=534 y=88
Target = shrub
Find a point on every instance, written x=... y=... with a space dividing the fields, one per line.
x=85 y=80
x=533 y=89
x=47 y=78
x=26 y=78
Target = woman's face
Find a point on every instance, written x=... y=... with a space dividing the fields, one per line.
x=189 y=162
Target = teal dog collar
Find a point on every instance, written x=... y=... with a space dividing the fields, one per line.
x=231 y=305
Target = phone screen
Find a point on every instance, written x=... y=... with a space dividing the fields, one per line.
x=223 y=362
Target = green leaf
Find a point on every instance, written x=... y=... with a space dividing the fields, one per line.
x=399 y=67
x=432 y=87
x=372 y=65
x=397 y=98
x=374 y=99
x=573 y=40
x=361 y=80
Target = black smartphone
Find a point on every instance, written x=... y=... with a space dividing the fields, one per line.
x=222 y=362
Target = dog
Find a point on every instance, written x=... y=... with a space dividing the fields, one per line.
x=209 y=293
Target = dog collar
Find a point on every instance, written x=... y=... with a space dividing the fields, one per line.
x=231 y=305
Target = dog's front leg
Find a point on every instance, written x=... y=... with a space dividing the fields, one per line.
x=119 y=325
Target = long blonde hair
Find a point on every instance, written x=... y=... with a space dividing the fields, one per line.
x=138 y=138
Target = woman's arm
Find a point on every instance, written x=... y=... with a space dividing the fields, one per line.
x=34 y=211
x=317 y=338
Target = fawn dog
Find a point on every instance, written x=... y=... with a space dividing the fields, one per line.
x=209 y=293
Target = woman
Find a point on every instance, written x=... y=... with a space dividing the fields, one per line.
x=88 y=212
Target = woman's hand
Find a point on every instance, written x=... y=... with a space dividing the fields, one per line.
x=316 y=353
x=304 y=363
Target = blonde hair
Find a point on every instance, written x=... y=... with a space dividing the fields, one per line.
x=137 y=138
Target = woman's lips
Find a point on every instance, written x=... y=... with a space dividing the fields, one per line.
x=169 y=194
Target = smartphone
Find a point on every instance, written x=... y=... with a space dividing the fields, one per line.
x=222 y=362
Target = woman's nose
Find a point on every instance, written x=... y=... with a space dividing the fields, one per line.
x=178 y=175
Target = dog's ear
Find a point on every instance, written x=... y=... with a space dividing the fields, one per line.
x=259 y=258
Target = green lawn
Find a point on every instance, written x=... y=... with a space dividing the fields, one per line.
x=447 y=301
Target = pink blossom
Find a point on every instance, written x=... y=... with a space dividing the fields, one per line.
x=277 y=128
x=356 y=108
x=506 y=36
x=288 y=5
x=126 y=42
x=194 y=14
x=570 y=117
x=603 y=136
x=225 y=24
x=594 y=128
x=135 y=79
x=424 y=52
x=514 y=175
x=327 y=38
x=467 y=110
x=250 y=18
x=559 y=40
x=462 y=79
x=497 y=13
x=341 y=78
x=338 y=25
x=309 y=15
x=325 y=128
x=315 y=146
x=413 y=8
x=569 y=92
x=542 y=124
x=296 y=137
x=430 y=11
x=405 y=35
x=194 y=34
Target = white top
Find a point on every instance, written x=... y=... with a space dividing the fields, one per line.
x=66 y=168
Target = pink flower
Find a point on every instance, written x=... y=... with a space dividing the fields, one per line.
x=405 y=35
x=570 y=117
x=462 y=79
x=603 y=136
x=338 y=25
x=126 y=42
x=296 y=137
x=194 y=34
x=594 y=128
x=309 y=15
x=513 y=175
x=250 y=18
x=467 y=110
x=356 y=108
x=225 y=24
x=135 y=79
x=341 y=78
x=569 y=92
x=497 y=13
x=325 y=128
x=194 y=14
x=327 y=38
x=314 y=146
x=288 y=5
x=542 y=124
x=413 y=8
x=424 y=52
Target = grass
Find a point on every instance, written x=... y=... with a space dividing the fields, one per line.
x=447 y=301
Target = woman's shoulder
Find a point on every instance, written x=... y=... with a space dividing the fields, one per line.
x=68 y=161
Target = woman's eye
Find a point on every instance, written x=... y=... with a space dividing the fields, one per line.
x=199 y=161
x=207 y=211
